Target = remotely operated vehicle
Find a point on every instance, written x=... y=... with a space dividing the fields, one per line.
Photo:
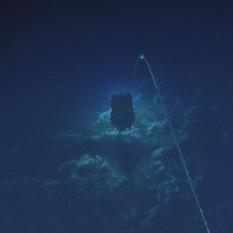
x=122 y=112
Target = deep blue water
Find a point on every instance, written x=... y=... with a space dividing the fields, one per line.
x=63 y=167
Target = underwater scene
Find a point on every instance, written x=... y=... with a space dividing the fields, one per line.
x=116 y=117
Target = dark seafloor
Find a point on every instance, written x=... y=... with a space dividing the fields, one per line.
x=63 y=168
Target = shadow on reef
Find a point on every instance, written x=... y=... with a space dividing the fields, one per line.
x=125 y=154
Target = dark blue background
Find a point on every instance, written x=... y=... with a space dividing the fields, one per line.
x=57 y=58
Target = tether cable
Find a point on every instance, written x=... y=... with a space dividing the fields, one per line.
x=178 y=147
